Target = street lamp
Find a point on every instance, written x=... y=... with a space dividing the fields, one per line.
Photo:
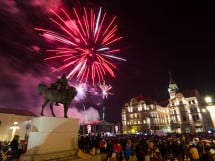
x=204 y=110
x=14 y=128
x=208 y=100
x=27 y=127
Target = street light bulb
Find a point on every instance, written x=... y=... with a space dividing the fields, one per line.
x=203 y=110
x=208 y=99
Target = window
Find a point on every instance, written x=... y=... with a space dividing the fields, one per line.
x=195 y=117
x=130 y=109
x=193 y=110
x=135 y=115
x=140 y=107
x=145 y=108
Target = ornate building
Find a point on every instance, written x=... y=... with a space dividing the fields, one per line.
x=184 y=112
x=142 y=114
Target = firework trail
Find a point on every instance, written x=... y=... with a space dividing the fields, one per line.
x=86 y=52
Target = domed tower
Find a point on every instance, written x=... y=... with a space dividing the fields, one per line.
x=173 y=88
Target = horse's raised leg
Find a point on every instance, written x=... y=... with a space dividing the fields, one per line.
x=52 y=111
x=65 y=110
x=43 y=106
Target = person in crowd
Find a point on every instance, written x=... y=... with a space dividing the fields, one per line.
x=112 y=157
x=193 y=152
x=127 y=151
x=133 y=156
x=212 y=153
x=14 y=145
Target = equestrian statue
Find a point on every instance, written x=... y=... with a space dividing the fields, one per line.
x=58 y=92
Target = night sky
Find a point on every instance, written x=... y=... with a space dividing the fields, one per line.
x=159 y=37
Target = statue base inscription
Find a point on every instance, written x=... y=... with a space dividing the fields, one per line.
x=51 y=138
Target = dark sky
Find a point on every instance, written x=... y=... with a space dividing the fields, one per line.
x=159 y=37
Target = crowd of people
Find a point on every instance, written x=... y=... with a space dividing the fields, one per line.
x=174 y=147
x=13 y=149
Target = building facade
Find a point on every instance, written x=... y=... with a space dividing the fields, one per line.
x=15 y=122
x=184 y=112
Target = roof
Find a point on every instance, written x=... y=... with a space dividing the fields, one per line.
x=16 y=111
x=189 y=92
x=146 y=99
x=100 y=122
x=163 y=103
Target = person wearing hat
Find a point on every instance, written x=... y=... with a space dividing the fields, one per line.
x=193 y=152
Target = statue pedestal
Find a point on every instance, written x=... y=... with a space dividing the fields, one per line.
x=51 y=138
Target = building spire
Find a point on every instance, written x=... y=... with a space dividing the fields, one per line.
x=170 y=78
x=173 y=88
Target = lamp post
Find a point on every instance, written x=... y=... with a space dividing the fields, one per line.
x=27 y=127
x=14 y=128
x=208 y=100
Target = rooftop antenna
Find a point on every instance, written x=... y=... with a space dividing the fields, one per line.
x=170 y=78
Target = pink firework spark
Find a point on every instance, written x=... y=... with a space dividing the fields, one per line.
x=105 y=89
x=87 y=41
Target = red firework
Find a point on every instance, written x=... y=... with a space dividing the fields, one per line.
x=87 y=40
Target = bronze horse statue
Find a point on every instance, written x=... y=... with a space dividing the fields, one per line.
x=53 y=95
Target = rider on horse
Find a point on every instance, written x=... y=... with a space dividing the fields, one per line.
x=61 y=85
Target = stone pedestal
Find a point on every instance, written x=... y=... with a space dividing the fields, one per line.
x=51 y=138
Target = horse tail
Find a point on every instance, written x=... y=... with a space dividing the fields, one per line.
x=41 y=88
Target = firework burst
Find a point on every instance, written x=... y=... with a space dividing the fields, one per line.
x=105 y=88
x=87 y=41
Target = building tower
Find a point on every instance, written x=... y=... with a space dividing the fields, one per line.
x=173 y=88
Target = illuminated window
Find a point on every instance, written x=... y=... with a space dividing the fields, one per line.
x=152 y=107
x=131 y=116
x=145 y=107
x=140 y=107
x=135 y=115
x=124 y=117
x=130 y=109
